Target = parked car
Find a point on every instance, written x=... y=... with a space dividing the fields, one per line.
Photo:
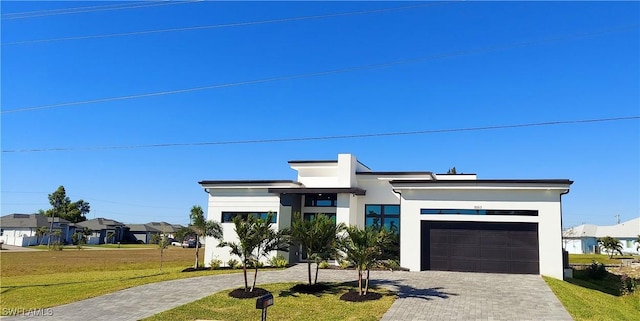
x=189 y=243
x=175 y=242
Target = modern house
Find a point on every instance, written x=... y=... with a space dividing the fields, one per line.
x=583 y=239
x=104 y=230
x=445 y=222
x=21 y=229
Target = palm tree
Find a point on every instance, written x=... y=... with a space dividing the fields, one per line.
x=269 y=241
x=318 y=237
x=363 y=248
x=256 y=239
x=610 y=244
x=201 y=227
x=246 y=245
x=40 y=233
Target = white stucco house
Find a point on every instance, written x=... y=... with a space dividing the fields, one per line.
x=583 y=239
x=21 y=229
x=445 y=222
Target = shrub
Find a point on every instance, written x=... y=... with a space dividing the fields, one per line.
x=596 y=270
x=233 y=263
x=323 y=265
x=344 y=264
x=253 y=264
x=391 y=265
x=56 y=246
x=215 y=263
x=628 y=285
x=278 y=261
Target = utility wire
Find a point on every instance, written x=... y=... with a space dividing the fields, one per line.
x=55 y=12
x=335 y=137
x=228 y=25
x=329 y=72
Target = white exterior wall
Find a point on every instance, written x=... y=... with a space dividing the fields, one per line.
x=236 y=200
x=19 y=237
x=548 y=219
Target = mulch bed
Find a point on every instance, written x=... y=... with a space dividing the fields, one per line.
x=310 y=289
x=241 y=294
x=353 y=296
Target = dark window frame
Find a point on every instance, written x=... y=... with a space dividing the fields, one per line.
x=317 y=200
x=383 y=215
x=227 y=216
x=449 y=211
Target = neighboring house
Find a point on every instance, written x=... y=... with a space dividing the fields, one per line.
x=583 y=239
x=445 y=222
x=101 y=227
x=142 y=232
x=166 y=228
x=20 y=229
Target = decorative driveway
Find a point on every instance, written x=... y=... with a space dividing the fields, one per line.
x=427 y=295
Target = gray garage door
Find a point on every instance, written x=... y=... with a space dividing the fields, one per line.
x=480 y=247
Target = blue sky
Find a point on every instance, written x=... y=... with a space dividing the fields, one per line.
x=550 y=61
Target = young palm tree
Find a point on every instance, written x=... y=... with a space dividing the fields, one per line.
x=318 y=238
x=256 y=239
x=364 y=248
x=40 y=233
x=610 y=244
x=201 y=227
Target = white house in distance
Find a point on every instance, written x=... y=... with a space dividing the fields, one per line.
x=445 y=222
x=583 y=239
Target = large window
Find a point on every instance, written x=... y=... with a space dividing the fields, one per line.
x=383 y=215
x=432 y=211
x=227 y=217
x=320 y=200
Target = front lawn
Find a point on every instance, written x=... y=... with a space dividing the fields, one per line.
x=39 y=279
x=602 y=258
x=595 y=300
x=288 y=305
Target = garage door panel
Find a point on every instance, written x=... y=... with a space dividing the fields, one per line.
x=493 y=253
x=493 y=266
x=524 y=268
x=519 y=254
x=499 y=247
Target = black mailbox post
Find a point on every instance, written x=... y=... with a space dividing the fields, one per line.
x=263 y=303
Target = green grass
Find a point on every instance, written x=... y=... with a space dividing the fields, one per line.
x=589 y=300
x=602 y=258
x=287 y=306
x=41 y=279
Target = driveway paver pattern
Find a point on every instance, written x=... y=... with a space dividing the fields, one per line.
x=427 y=295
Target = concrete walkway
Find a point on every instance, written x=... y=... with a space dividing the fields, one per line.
x=427 y=295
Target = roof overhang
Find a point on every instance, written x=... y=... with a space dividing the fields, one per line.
x=319 y=190
x=250 y=184
x=514 y=184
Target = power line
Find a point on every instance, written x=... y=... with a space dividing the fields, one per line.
x=317 y=138
x=228 y=25
x=329 y=72
x=54 y=12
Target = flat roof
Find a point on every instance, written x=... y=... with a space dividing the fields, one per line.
x=318 y=190
x=394 y=173
x=311 y=161
x=467 y=181
x=247 y=182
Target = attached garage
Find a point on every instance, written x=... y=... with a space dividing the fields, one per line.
x=497 y=247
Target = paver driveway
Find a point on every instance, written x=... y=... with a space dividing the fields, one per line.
x=428 y=295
